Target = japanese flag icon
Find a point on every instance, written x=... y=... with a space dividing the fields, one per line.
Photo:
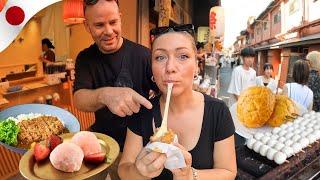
x=14 y=14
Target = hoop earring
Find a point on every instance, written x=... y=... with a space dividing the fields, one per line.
x=152 y=79
x=195 y=77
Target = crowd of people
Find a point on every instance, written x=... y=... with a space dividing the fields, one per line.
x=304 y=89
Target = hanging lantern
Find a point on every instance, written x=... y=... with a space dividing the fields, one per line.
x=216 y=21
x=73 y=11
x=2 y=3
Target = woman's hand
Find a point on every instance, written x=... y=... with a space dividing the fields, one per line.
x=150 y=164
x=186 y=172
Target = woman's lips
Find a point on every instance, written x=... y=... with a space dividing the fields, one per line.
x=170 y=81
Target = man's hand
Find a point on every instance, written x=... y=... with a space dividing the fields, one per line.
x=122 y=101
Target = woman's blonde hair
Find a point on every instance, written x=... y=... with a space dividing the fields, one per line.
x=314 y=58
x=186 y=34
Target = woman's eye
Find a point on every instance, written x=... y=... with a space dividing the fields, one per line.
x=160 y=58
x=183 y=57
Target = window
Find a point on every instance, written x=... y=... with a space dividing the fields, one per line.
x=258 y=30
x=293 y=7
x=277 y=18
x=265 y=26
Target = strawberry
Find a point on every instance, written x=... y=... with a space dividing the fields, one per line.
x=54 y=141
x=95 y=158
x=40 y=152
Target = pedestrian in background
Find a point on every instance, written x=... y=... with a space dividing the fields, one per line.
x=314 y=78
x=298 y=90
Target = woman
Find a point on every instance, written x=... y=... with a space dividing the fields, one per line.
x=48 y=56
x=314 y=79
x=203 y=124
x=298 y=90
x=266 y=79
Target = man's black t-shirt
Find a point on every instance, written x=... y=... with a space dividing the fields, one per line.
x=217 y=125
x=128 y=67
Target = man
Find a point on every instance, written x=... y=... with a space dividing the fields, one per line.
x=113 y=75
x=243 y=76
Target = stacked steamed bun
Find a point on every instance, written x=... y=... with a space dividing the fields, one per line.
x=288 y=139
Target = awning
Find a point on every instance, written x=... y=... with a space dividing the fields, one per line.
x=312 y=39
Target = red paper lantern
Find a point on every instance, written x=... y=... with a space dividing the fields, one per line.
x=2 y=3
x=73 y=11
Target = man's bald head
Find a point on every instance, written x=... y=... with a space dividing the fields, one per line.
x=88 y=3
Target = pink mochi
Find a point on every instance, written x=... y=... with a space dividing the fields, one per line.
x=87 y=141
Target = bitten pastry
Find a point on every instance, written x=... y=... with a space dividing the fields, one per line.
x=167 y=138
x=255 y=106
x=284 y=110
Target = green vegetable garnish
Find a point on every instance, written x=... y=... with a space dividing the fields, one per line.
x=9 y=132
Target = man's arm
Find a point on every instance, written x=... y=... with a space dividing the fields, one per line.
x=120 y=101
x=87 y=100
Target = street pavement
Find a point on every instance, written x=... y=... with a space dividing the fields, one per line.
x=225 y=78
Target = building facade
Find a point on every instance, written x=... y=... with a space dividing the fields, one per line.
x=283 y=33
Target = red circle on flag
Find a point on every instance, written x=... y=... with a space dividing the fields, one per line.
x=15 y=15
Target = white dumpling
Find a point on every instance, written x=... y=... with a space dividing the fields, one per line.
x=296 y=147
x=275 y=137
x=264 y=149
x=316 y=127
x=312 y=138
x=312 y=112
x=310 y=125
x=296 y=126
x=258 y=135
x=304 y=133
x=283 y=126
x=297 y=131
x=272 y=142
x=289 y=135
x=289 y=123
x=309 y=130
x=313 y=117
x=302 y=128
x=306 y=115
x=270 y=154
x=256 y=146
x=250 y=143
x=268 y=134
x=298 y=120
x=288 y=151
x=278 y=146
x=296 y=138
x=289 y=142
x=282 y=133
x=280 y=157
x=276 y=130
x=316 y=133
x=303 y=123
x=304 y=142
x=282 y=139
x=290 y=129
x=265 y=139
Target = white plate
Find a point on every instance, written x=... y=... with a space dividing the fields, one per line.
x=248 y=132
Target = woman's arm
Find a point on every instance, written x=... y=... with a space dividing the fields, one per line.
x=224 y=156
x=132 y=147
